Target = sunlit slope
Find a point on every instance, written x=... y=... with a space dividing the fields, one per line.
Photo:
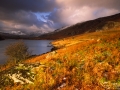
x=88 y=62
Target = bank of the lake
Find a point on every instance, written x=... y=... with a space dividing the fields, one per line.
x=36 y=47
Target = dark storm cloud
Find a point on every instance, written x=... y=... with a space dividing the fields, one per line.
x=20 y=21
x=21 y=14
x=21 y=17
x=28 y=5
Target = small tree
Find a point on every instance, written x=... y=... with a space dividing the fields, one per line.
x=17 y=51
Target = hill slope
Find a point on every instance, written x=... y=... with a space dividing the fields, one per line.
x=88 y=26
x=1 y=38
x=13 y=36
x=89 y=61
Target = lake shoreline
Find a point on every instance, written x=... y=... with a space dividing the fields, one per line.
x=36 y=47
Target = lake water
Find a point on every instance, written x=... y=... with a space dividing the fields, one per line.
x=37 y=47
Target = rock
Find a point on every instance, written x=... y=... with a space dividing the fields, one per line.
x=20 y=73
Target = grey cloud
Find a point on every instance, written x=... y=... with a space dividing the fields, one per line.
x=95 y=8
x=92 y=3
x=57 y=18
x=28 y=5
x=21 y=21
x=21 y=13
x=21 y=17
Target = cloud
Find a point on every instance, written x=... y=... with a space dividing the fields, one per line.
x=28 y=5
x=72 y=15
x=21 y=17
x=20 y=14
x=91 y=3
x=74 y=11
x=48 y=15
x=23 y=21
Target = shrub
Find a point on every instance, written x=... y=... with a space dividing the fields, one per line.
x=17 y=51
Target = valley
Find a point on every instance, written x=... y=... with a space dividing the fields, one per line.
x=88 y=59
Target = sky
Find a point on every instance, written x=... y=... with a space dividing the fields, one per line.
x=48 y=15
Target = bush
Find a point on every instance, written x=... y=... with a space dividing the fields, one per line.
x=17 y=51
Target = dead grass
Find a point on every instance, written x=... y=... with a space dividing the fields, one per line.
x=87 y=62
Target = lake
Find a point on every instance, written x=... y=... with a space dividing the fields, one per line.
x=37 y=47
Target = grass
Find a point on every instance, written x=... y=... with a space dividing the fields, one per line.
x=84 y=62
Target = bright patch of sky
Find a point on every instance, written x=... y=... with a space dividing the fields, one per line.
x=42 y=16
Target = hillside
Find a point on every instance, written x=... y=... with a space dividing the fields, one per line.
x=84 y=27
x=89 y=61
x=1 y=38
x=13 y=36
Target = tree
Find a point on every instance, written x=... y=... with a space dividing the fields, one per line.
x=17 y=51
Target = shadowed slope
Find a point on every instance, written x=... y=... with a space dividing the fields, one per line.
x=88 y=26
x=1 y=38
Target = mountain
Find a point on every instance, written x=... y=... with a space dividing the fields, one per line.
x=1 y=38
x=16 y=35
x=10 y=36
x=102 y=23
x=20 y=34
x=90 y=61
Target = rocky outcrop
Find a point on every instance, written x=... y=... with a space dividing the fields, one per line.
x=20 y=73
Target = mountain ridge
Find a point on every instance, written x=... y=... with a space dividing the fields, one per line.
x=87 y=26
x=90 y=61
x=1 y=38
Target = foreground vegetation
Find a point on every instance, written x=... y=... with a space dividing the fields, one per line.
x=85 y=62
